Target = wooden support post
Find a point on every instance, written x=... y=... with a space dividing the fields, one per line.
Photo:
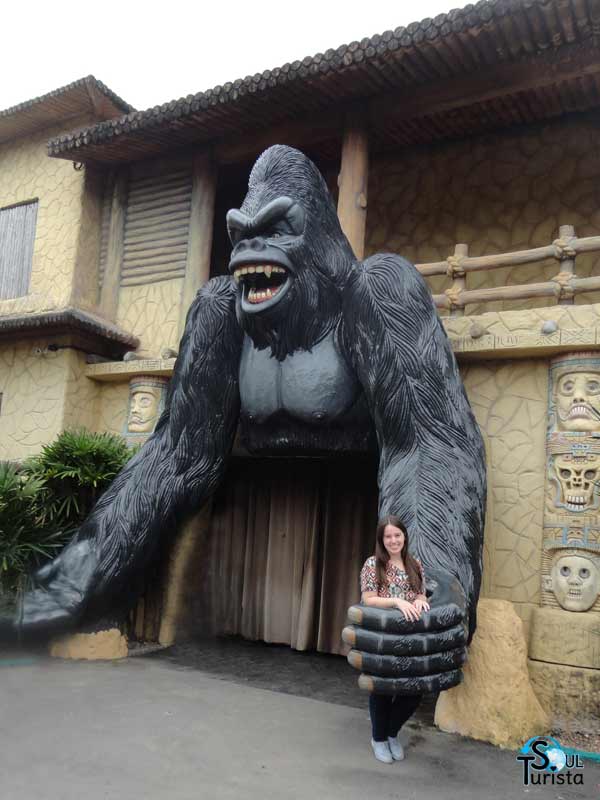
x=202 y=212
x=459 y=280
x=109 y=297
x=567 y=264
x=352 y=183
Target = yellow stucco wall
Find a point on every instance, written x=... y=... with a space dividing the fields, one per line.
x=43 y=393
x=500 y=192
x=26 y=173
x=151 y=313
x=509 y=399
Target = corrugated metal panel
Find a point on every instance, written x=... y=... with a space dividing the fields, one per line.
x=17 y=234
x=157 y=224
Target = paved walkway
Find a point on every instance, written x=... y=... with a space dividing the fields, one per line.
x=149 y=729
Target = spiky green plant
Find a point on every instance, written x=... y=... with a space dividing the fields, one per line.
x=75 y=469
x=25 y=541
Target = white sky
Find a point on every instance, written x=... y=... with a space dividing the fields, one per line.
x=152 y=52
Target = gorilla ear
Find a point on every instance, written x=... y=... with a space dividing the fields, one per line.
x=238 y=225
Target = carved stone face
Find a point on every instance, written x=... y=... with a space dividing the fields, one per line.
x=143 y=409
x=578 y=401
x=577 y=476
x=575 y=582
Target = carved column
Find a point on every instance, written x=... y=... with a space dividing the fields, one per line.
x=565 y=630
x=197 y=269
x=353 y=181
x=109 y=297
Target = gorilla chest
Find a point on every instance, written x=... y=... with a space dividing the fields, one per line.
x=310 y=401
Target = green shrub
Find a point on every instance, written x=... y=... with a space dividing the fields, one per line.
x=75 y=469
x=43 y=503
x=25 y=541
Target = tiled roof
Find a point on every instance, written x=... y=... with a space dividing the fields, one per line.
x=87 y=95
x=461 y=42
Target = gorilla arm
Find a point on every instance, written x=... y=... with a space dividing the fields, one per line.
x=431 y=474
x=175 y=471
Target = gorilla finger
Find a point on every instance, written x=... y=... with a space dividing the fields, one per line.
x=390 y=621
x=418 y=684
x=417 y=644
x=407 y=666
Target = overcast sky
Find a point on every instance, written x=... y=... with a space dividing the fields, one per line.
x=152 y=52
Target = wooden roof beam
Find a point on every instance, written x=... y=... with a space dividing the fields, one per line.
x=551 y=69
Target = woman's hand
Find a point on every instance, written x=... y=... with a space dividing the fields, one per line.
x=421 y=604
x=410 y=611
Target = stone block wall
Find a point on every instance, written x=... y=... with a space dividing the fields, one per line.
x=505 y=191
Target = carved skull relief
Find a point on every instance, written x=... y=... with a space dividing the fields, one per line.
x=577 y=400
x=577 y=478
x=575 y=581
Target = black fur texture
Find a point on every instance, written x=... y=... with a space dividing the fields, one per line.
x=175 y=471
x=432 y=458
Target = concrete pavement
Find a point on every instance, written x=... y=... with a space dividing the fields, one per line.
x=143 y=728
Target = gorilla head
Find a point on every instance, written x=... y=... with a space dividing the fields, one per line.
x=290 y=258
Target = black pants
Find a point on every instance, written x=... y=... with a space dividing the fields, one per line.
x=390 y=712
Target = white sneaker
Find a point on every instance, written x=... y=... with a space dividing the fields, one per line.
x=396 y=748
x=382 y=751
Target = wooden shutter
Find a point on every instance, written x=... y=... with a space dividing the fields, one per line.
x=157 y=223
x=17 y=235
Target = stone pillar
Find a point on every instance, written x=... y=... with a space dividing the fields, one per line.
x=496 y=702
x=182 y=558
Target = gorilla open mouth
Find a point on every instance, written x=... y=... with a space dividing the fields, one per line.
x=262 y=285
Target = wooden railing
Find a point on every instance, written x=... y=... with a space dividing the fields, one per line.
x=563 y=286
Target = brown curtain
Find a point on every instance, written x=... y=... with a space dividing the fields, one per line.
x=284 y=549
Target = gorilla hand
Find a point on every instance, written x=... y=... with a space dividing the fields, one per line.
x=59 y=589
x=398 y=656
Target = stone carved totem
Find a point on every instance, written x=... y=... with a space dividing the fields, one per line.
x=572 y=518
x=565 y=633
x=146 y=402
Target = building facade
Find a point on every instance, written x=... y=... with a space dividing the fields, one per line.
x=473 y=136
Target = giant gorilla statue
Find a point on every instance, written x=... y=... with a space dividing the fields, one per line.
x=309 y=350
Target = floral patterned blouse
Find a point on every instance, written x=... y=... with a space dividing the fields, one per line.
x=398 y=584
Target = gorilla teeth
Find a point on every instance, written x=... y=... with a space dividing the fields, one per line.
x=255 y=296
x=266 y=269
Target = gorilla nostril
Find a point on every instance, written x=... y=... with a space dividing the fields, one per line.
x=257 y=244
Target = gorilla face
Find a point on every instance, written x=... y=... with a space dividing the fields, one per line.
x=260 y=262
x=290 y=258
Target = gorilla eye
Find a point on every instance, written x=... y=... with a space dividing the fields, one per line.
x=567 y=387
x=593 y=387
x=565 y=571
x=584 y=573
x=565 y=473
x=589 y=474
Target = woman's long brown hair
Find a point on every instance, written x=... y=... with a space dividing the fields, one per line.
x=413 y=572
